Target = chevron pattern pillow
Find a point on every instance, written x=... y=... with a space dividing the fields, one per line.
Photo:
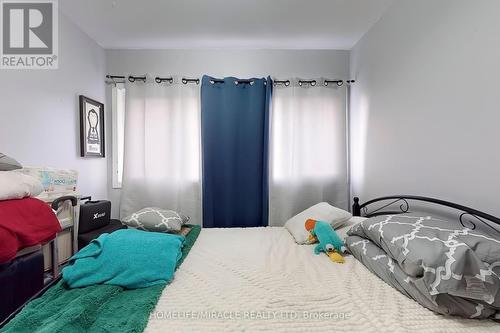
x=156 y=219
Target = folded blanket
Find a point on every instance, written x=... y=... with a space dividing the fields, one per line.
x=23 y=223
x=442 y=265
x=128 y=258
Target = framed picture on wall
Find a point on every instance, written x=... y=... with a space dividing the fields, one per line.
x=91 y=127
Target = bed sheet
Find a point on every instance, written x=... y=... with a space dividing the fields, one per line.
x=259 y=280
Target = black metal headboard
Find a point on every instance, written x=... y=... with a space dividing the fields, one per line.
x=401 y=201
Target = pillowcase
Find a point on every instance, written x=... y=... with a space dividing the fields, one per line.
x=15 y=185
x=321 y=212
x=439 y=255
x=156 y=219
x=7 y=163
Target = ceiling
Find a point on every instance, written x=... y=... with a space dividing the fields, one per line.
x=235 y=24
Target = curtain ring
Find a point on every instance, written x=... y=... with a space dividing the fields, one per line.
x=132 y=78
x=196 y=81
x=313 y=83
x=339 y=83
x=160 y=80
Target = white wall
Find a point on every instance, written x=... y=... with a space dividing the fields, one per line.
x=220 y=63
x=39 y=120
x=426 y=103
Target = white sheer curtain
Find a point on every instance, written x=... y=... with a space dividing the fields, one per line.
x=162 y=148
x=308 y=149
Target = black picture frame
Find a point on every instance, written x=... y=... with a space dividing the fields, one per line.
x=92 y=134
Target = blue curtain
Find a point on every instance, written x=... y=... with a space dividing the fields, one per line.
x=235 y=135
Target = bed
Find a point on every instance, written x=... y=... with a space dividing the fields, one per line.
x=258 y=279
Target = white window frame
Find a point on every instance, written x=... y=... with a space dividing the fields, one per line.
x=118 y=132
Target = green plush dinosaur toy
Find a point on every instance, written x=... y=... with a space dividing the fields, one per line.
x=329 y=242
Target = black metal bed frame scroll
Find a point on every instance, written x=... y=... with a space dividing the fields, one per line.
x=402 y=200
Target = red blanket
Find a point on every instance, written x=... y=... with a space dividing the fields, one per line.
x=23 y=223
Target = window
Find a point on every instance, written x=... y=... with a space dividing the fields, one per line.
x=308 y=134
x=118 y=130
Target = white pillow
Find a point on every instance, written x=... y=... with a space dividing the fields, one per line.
x=321 y=212
x=15 y=185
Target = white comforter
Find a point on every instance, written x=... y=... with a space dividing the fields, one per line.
x=258 y=279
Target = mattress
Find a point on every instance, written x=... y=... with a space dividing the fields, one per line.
x=258 y=279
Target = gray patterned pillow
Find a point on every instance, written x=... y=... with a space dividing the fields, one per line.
x=7 y=163
x=437 y=256
x=156 y=219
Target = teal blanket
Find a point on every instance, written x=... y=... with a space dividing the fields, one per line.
x=127 y=258
x=97 y=309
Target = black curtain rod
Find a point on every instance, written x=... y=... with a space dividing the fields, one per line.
x=143 y=78
x=115 y=77
x=250 y=82
x=131 y=78
x=163 y=79
x=242 y=81
x=286 y=83
x=311 y=82
x=184 y=80
x=339 y=83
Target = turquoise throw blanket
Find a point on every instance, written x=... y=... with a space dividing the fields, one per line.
x=97 y=309
x=128 y=258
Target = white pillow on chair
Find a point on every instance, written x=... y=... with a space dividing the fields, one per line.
x=15 y=185
x=321 y=212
